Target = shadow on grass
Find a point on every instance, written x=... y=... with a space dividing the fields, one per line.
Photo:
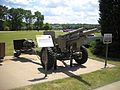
x=66 y=70
x=103 y=58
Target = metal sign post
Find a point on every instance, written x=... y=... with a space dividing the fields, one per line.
x=46 y=61
x=106 y=55
x=107 y=39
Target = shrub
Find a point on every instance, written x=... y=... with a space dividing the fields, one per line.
x=114 y=50
x=98 y=48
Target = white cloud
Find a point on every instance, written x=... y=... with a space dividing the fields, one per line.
x=63 y=11
x=25 y=2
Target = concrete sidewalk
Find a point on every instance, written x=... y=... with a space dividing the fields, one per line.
x=26 y=70
x=112 y=86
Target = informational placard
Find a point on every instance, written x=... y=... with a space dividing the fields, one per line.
x=107 y=39
x=44 y=41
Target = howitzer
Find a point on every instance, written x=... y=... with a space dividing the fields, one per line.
x=67 y=47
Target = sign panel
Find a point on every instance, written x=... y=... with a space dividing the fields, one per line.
x=107 y=39
x=44 y=41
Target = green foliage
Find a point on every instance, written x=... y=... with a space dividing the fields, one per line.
x=114 y=50
x=28 y=19
x=92 y=46
x=3 y=12
x=110 y=23
x=18 y=19
x=47 y=26
x=110 y=17
x=98 y=48
x=15 y=18
x=73 y=26
x=38 y=20
x=1 y=25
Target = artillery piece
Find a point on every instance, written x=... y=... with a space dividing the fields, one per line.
x=23 y=46
x=67 y=47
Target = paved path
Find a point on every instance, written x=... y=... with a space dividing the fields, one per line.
x=112 y=86
x=27 y=70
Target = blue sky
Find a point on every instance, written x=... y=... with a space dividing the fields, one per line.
x=60 y=11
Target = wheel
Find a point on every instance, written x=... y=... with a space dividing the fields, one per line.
x=17 y=53
x=50 y=62
x=84 y=57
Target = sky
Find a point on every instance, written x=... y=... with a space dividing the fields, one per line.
x=60 y=11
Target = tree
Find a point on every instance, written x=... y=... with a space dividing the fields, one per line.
x=47 y=26
x=38 y=20
x=3 y=13
x=16 y=18
x=28 y=18
x=110 y=17
x=110 y=22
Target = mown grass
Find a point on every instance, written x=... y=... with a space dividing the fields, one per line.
x=114 y=61
x=97 y=34
x=8 y=37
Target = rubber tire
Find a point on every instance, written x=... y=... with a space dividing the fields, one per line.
x=17 y=53
x=84 y=56
x=50 y=59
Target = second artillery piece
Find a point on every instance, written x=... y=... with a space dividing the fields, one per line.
x=67 y=47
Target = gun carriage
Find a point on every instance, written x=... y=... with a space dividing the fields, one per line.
x=70 y=46
x=66 y=47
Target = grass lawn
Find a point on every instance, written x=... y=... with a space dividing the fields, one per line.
x=8 y=37
x=83 y=82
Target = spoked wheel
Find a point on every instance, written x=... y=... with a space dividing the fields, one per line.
x=49 y=56
x=82 y=59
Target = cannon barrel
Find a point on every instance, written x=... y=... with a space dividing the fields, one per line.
x=82 y=31
x=78 y=33
x=74 y=31
x=87 y=32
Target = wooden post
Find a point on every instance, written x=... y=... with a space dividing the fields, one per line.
x=2 y=51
